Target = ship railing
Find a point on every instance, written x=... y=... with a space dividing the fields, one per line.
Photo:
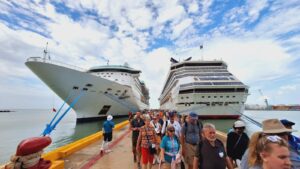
x=44 y=60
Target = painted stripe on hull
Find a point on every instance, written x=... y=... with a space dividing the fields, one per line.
x=219 y=116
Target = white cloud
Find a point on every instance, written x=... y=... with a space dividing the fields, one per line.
x=193 y=7
x=179 y=28
x=250 y=59
x=174 y=13
x=255 y=7
x=141 y=18
x=279 y=23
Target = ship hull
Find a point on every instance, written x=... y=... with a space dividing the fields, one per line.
x=96 y=100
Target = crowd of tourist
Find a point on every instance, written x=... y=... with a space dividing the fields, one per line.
x=172 y=141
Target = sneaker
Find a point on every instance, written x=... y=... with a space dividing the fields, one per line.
x=108 y=151
x=139 y=165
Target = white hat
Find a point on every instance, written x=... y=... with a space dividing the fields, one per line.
x=109 y=117
x=239 y=123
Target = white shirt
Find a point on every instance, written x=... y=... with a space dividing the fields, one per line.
x=176 y=125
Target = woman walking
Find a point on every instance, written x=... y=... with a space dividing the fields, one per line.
x=147 y=143
x=169 y=153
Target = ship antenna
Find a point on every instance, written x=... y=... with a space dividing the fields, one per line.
x=201 y=48
x=46 y=51
x=107 y=61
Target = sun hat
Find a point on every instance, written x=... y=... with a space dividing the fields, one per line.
x=109 y=117
x=274 y=126
x=287 y=122
x=193 y=116
x=239 y=124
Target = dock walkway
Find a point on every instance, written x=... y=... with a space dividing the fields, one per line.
x=120 y=157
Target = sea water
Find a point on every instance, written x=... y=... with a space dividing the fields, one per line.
x=24 y=123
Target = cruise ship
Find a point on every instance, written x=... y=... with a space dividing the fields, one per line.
x=205 y=87
x=107 y=89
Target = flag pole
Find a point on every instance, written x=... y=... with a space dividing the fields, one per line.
x=201 y=48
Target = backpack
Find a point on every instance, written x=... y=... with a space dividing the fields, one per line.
x=166 y=125
x=199 y=124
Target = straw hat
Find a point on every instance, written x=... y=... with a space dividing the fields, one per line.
x=274 y=126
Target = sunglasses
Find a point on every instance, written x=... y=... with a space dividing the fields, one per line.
x=239 y=128
x=274 y=139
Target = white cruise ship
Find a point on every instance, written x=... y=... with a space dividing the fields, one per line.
x=205 y=87
x=109 y=89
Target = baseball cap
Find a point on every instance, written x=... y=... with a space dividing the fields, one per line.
x=239 y=123
x=287 y=122
x=193 y=115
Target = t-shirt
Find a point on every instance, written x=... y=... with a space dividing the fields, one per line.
x=171 y=145
x=236 y=145
x=108 y=126
x=211 y=157
x=175 y=124
x=136 y=123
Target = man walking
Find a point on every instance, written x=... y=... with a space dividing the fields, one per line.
x=237 y=142
x=190 y=137
x=107 y=129
x=210 y=153
x=135 y=126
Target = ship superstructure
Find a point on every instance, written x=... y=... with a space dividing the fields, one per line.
x=109 y=89
x=205 y=87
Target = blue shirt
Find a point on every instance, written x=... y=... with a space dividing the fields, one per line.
x=171 y=146
x=108 y=126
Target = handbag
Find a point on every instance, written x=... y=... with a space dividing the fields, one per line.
x=151 y=147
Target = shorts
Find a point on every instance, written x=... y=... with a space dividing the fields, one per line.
x=189 y=151
x=166 y=165
x=146 y=156
x=108 y=136
x=134 y=142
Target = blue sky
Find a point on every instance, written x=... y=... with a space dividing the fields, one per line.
x=258 y=39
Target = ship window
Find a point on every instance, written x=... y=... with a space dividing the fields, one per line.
x=233 y=96
x=221 y=96
x=104 y=76
x=105 y=92
x=215 y=96
x=116 y=94
x=203 y=96
x=208 y=96
x=227 y=96
x=111 y=73
x=118 y=91
x=108 y=76
x=187 y=97
x=125 y=74
x=116 y=79
x=107 y=73
x=104 y=109
x=109 y=89
x=181 y=97
x=121 y=73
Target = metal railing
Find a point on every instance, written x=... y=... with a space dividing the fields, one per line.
x=44 y=60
